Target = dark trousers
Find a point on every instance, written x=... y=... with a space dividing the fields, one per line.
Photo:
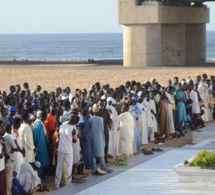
x=195 y=120
x=106 y=142
x=80 y=169
x=180 y=126
x=3 y=184
x=50 y=169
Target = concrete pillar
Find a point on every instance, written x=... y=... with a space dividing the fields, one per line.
x=154 y=34
x=195 y=36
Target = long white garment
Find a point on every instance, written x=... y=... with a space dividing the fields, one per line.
x=195 y=103
x=113 y=145
x=203 y=93
x=26 y=135
x=2 y=160
x=18 y=157
x=76 y=149
x=153 y=107
x=9 y=175
x=126 y=133
x=147 y=109
x=28 y=177
x=134 y=115
x=142 y=125
x=170 y=113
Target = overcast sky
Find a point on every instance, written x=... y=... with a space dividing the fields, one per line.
x=64 y=16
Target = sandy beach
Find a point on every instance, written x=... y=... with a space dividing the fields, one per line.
x=84 y=75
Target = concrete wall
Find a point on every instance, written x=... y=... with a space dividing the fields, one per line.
x=155 y=35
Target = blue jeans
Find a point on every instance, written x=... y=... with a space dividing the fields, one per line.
x=101 y=162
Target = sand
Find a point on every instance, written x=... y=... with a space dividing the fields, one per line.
x=84 y=75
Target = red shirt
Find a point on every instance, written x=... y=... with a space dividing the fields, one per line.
x=50 y=124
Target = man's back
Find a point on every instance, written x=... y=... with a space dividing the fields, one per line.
x=97 y=135
x=65 y=143
x=10 y=145
x=106 y=117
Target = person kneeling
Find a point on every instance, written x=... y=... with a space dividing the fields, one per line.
x=28 y=177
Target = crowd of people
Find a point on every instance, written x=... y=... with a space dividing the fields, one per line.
x=62 y=133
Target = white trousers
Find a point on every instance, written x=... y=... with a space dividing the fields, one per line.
x=9 y=176
x=68 y=159
x=113 y=147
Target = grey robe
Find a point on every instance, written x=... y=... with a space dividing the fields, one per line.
x=97 y=136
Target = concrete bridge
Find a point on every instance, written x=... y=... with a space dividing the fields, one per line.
x=164 y=32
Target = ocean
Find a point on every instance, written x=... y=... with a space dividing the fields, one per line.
x=100 y=46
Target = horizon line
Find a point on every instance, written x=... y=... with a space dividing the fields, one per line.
x=65 y=33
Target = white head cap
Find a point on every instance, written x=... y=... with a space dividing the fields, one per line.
x=37 y=164
x=109 y=99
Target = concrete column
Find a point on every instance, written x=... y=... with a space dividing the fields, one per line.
x=173 y=44
x=141 y=45
x=154 y=34
x=195 y=36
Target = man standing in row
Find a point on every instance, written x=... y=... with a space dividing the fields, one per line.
x=97 y=141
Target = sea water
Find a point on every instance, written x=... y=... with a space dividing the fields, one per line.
x=98 y=46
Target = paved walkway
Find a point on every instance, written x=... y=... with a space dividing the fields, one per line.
x=146 y=175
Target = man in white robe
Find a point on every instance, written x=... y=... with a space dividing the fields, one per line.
x=113 y=145
x=126 y=131
x=28 y=176
x=195 y=106
x=147 y=109
x=10 y=148
x=204 y=95
x=26 y=135
x=19 y=155
x=154 y=111
x=142 y=121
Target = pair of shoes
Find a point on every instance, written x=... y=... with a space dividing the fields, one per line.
x=147 y=151
x=78 y=180
x=157 y=149
x=99 y=172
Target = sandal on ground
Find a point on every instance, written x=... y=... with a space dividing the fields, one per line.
x=154 y=149
x=147 y=152
x=120 y=162
x=99 y=172
x=159 y=150
x=77 y=180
